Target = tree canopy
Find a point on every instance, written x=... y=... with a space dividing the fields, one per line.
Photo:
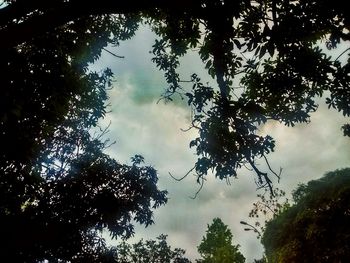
x=217 y=247
x=58 y=189
x=149 y=251
x=265 y=69
x=316 y=228
x=281 y=68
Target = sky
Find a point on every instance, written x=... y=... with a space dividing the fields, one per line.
x=141 y=124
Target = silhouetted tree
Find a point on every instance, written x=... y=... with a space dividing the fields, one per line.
x=316 y=228
x=58 y=190
x=272 y=47
x=50 y=100
x=217 y=247
x=149 y=251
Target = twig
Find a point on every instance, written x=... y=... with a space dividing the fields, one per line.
x=115 y=55
x=261 y=175
x=228 y=182
x=103 y=131
x=200 y=188
x=183 y=177
x=186 y=130
x=251 y=228
x=268 y=165
x=249 y=169
x=342 y=53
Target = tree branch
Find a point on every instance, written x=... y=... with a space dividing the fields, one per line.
x=263 y=177
x=38 y=17
x=268 y=165
x=200 y=188
x=115 y=55
x=274 y=13
x=346 y=50
x=183 y=177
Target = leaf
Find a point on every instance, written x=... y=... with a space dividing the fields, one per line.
x=237 y=43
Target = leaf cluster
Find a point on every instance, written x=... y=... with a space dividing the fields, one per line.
x=216 y=245
x=58 y=189
x=149 y=251
x=316 y=227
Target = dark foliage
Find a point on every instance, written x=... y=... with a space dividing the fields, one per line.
x=58 y=190
x=149 y=251
x=269 y=206
x=316 y=228
x=272 y=47
x=54 y=174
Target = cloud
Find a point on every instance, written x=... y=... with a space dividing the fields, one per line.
x=307 y=151
x=141 y=126
x=137 y=70
x=153 y=130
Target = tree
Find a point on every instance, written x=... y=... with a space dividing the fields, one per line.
x=281 y=68
x=58 y=189
x=269 y=206
x=216 y=245
x=149 y=251
x=316 y=228
x=51 y=100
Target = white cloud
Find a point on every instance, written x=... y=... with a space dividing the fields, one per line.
x=144 y=127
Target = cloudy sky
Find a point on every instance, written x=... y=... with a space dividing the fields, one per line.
x=140 y=125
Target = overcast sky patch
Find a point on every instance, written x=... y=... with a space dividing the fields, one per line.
x=140 y=125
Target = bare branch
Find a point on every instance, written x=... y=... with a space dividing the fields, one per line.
x=103 y=131
x=200 y=188
x=228 y=182
x=268 y=165
x=346 y=50
x=186 y=130
x=263 y=177
x=251 y=227
x=113 y=54
x=274 y=12
x=183 y=177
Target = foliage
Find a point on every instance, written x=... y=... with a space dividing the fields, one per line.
x=280 y=69
x=58 y=190
x=216 y=245
x=316 y=227
x=269 y=206
x=149 y=251
x=54 y=177
x=262 y=260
